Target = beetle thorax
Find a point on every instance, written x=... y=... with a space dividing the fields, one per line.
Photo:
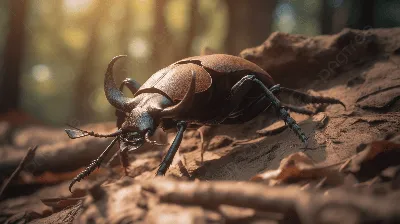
x=144 y=116
x=138 y=120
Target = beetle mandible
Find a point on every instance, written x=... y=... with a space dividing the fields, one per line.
x=202 y=90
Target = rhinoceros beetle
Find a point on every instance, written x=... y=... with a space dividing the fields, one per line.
x=202 y=90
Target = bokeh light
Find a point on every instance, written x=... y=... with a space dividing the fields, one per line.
x=41 y=73
x=139 y=48
x=285 y=15
x=76 y=5
x=98 y=101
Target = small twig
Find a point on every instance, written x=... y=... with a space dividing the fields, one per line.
x=183 y=169
x=273 y=131
x=28 y=157
x=321 y=183
x=345 y=164
x=287 y=200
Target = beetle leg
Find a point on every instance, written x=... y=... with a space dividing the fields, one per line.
x=275 y=88
x=251 y=111
x=123 y=157
x=305 y=98
x=236 y=96
x=108 y=165
x=132 y=85
x=289 y=121
x=282 y=113
x=173 y=149
x=262 y=104
x=93 y=165
x=241 y=88
x=298 y=110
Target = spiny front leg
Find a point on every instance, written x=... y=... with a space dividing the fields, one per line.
x=93 y=165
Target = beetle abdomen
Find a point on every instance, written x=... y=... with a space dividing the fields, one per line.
x=225 y=64
x=174 y=80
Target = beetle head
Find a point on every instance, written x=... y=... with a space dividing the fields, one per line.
x=134 y=132
x=137 y=128
x=116 y=97
x=143 y=112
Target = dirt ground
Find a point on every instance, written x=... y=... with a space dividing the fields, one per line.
x=348 y=173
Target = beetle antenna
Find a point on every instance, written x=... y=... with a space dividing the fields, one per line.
x=147 y=138
x=79 y=133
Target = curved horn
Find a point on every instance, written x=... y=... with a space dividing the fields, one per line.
x=113 y=94
x=185 y=103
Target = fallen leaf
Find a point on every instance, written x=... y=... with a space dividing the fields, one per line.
x=60 y=203
x=297 y=167
x=380 y=100
x=375 y=157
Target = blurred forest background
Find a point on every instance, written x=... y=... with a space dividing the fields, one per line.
x=54 y=53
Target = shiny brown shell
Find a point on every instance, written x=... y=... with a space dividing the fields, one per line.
x=174 y=80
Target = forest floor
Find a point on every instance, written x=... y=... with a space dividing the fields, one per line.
x=348 y=173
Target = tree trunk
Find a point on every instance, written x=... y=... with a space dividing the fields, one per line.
x=161 y=37
x=191 y=32
x=85 y=84
x=367 y=15
x=124 y=38
x=12 y=57
x=249 y=24
x=326 y=17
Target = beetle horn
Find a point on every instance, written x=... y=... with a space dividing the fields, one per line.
x=185 y=103
x=115 y=96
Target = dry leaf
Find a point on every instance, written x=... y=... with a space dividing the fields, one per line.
x=60 y=203
x=376 y=156
x=297 y=167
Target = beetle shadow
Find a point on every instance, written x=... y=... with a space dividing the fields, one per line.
x=245 y=158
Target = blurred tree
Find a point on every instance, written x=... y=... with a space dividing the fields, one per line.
x=161 y=37
x=12 y=57
x=334 y=15
x=326 y=17
x=191 y=31
x=124 y=36
x=55 y=33
x=363 y=14
x=125 y=28
x=85 y=85
x=387 y=14
x=168 y=47
x=249 y=23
